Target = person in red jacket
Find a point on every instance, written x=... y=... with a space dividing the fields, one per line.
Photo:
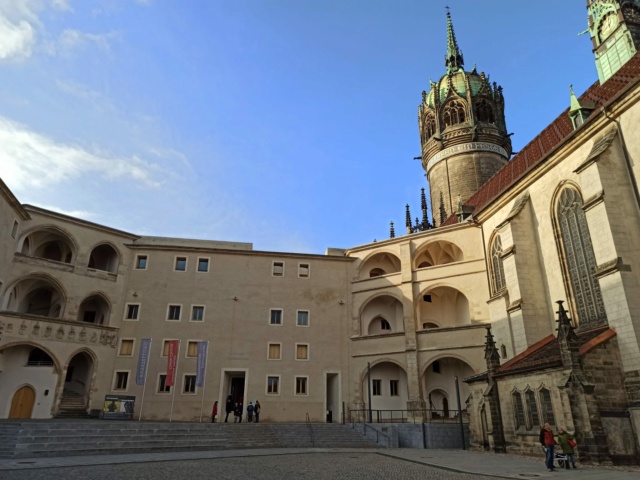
x=547 y=441
x=214 y=412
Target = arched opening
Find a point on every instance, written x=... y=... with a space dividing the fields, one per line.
x=104 y=257
x=77 y=385
x=94 y=309
x=381 y=315
x=428 y=325
x=444 y=307
x=389 y=391
x=439 y=380
x=35 y=296
x=484 y=111
x=382 y=263
x=22 y=402
x=498 y=281
x=50 y=244
x=453 y=113
x=438 y=253
x=39 y=358
x=429 y=127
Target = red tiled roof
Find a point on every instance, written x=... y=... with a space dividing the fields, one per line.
x=551 y=137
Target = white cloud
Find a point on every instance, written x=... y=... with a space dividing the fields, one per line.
x=70 y=40
x=96 y=99
x=30 y=160
x=17 y=37
x=62 y=5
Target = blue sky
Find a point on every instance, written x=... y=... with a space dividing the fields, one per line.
x=291 y=124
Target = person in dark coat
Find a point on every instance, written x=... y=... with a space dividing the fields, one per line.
x=229 y=408
x=547 y=441
x=239 y=412
x=214 y=412
x=250 y=413
x=565 y=439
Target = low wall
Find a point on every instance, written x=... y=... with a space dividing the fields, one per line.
x=426 y=435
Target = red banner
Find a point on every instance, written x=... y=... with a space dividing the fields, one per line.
x=172 y=361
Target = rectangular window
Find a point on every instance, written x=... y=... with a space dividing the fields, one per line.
x=126 y=348
x=376 y=387
x=121 y=381
x=393 y=388
x=133 y=309
x=274 y=351
x=278 y=269
x=189 y=384
x=14 y=230
x=197 y=313
x=181 y=264
x=301 y=385
x=162 y=384
x=174 y=313
x=275 y=317
x=192 y=349
x=303 y=270
x=165 y=348
x=303 y=318
x=203 y=264
x=141 y=262
x=302 y=351
x=273 y=384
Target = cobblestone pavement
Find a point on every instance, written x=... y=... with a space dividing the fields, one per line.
x=320 y=466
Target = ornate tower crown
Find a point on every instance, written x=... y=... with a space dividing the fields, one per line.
x=463 y=133
x=614 y=27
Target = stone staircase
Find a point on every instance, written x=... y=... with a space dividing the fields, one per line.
x=98 y=437
x=72 y=405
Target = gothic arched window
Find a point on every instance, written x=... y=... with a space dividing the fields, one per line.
x=429 y=127
x=484 y=111
x=498 y=282
x=533 y=417
x=453 y=113
x=579 y=259
x=547 y=407
x=518 y=409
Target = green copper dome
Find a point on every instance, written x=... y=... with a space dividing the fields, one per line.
x=458 y=83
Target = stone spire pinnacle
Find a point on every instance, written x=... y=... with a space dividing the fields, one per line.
x=392 y=231
x=407 y=219
x=491 y=354
x=453 y=60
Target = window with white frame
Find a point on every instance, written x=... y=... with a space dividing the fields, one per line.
x=121 y=380
x=277 y=269
x=162 y=384
x=273 y=385
x=303 y=318
x=126 y=347
x=133 y=310
x=192 y=348
x=197 y=313
x=275 y=316
x=173 y=313
x=274 y=351
x=189 y=384
x=302 y=351
x=376 y=387
x=141 y=262
x=303 y=270
x=203 y=265
x=165 y=348
x=181 y=264
x=301 y=386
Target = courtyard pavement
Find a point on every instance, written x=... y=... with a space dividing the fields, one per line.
x=311 y=463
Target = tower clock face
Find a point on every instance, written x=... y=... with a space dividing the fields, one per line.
x=608 y=25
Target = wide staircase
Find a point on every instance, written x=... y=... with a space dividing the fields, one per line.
x=73 y=405
x=99 y=437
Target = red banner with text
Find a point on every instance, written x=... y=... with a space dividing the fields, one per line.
x=172 y=361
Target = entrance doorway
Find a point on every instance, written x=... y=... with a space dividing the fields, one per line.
x=22 y=402
x=234 y=383
x=333 y=397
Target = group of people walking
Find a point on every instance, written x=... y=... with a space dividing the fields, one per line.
x=236 y=408
x=566 y=442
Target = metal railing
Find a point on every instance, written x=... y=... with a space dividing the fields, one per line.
x=406 y=416
x=311 y=434
x=378 y=434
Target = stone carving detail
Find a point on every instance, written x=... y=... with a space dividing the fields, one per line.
x=47 y=331
x=9 y=327
x=83 y=334
x=114 y=341
x=60 y=333
x=36 y=329
x=23 y=328
x=72 y=334
x=94 y=337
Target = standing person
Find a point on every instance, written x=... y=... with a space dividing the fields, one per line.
x=256 y=410
x=250 y=413
x=229 y=408
x=239 y=412
x=547 y=441
x=235 y=413
x=565 y=439
x=214 y=412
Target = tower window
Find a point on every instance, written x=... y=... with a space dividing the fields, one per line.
x=429 y=127
x=453 y=113
x=485 y=111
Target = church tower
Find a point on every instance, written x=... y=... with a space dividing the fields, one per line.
x=463 y=133
x=614 y=27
